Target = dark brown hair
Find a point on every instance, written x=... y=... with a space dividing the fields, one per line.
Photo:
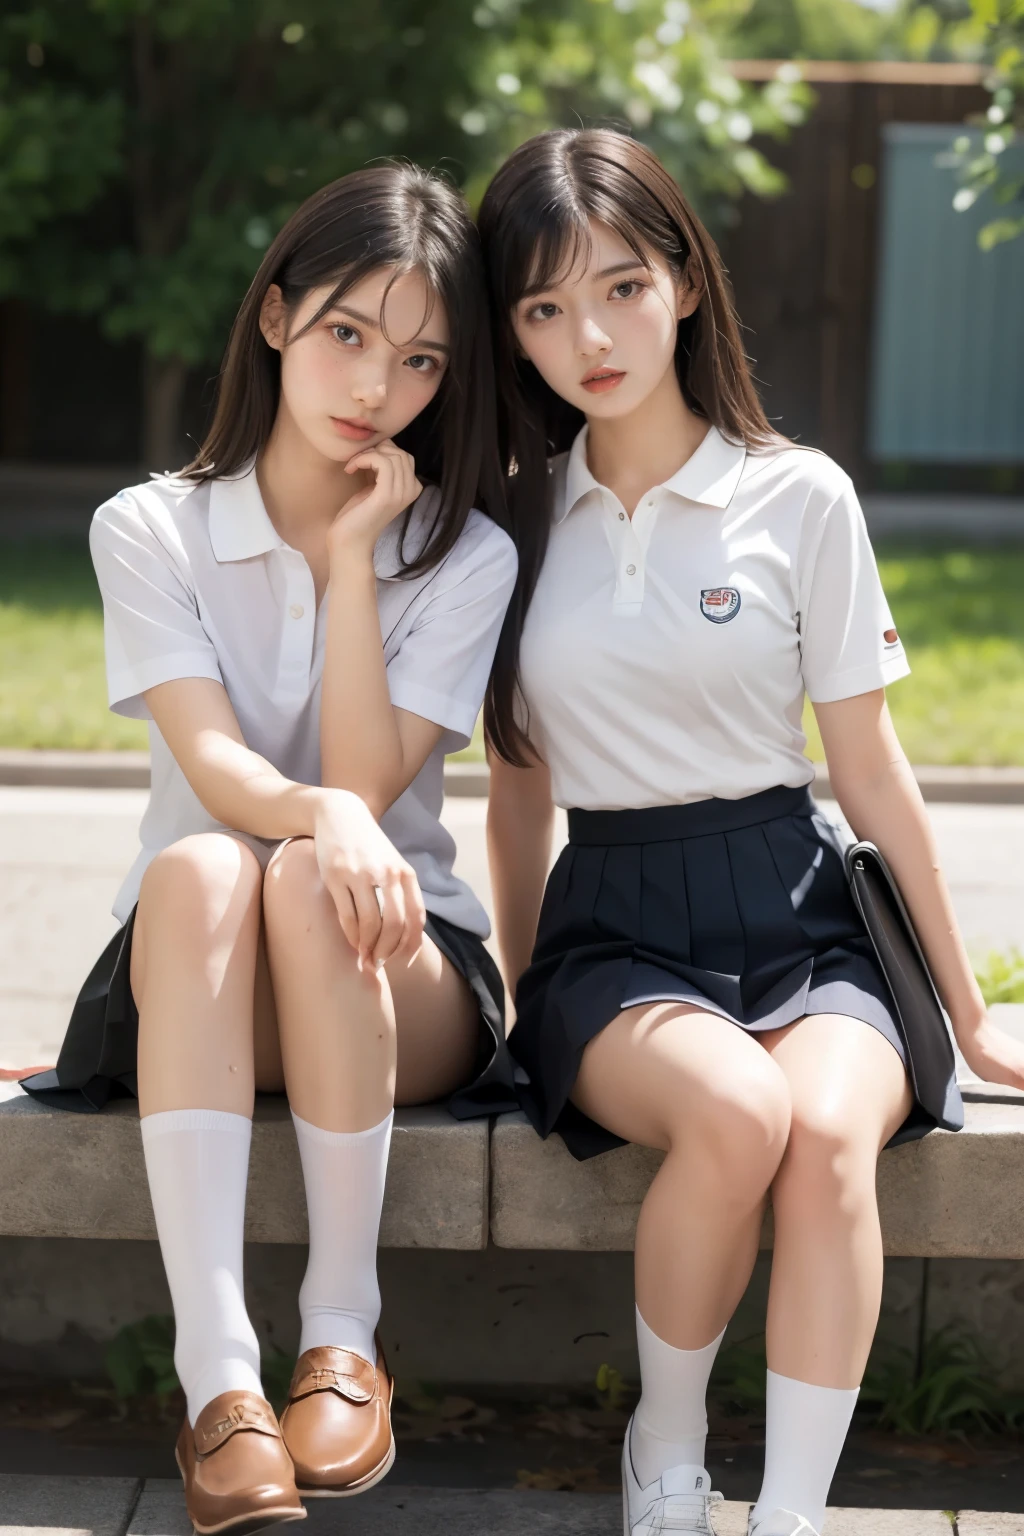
x=401 y=217
x=535 y=225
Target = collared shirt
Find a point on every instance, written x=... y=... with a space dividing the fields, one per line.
x=196 y=582
x=665 y=657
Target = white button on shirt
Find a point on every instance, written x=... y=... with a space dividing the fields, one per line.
x=665 y=657
x=196 y=582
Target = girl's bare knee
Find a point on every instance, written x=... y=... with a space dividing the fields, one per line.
x=298 y=910
x=830 y=1163
x=199 y=880
x=741 y=1125
x=292 y=887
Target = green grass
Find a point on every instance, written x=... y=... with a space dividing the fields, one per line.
x=1001 y=976
x=52 y=685
x=960 y=614
x=961 y=619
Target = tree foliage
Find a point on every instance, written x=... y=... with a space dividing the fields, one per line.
x=981 y=158
x=149 y=149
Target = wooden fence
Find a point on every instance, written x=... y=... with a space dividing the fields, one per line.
x=804 y=265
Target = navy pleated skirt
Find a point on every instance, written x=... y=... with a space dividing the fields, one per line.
x=738 y=906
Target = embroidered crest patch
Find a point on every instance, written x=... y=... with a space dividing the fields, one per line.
x=719 y=604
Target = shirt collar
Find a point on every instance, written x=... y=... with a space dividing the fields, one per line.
x=239 y=526
x=709 y=476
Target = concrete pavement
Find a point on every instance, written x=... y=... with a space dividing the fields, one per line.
x=63 y=853
x=67 y=1506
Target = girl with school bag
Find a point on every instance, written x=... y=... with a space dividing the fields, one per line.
x=306 y=616
x=694 y=976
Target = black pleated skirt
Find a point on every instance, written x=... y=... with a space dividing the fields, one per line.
x=740 y=907
x=97 y=1060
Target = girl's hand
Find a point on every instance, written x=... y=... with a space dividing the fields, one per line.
x=364 y=517
x=375 y=891
x=992 y=1054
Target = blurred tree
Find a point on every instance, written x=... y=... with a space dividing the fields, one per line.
x=652 y=64
x=806 y=29
x=980 y=158
x=923 y=30
x=149 y=149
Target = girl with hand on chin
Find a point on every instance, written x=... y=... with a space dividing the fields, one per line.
x=307 y=616
x=700 y=981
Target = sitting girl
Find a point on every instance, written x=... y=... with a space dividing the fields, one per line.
x=309 y=629
x=700 y=979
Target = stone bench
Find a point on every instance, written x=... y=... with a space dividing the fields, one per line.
x=71 y=1175
x=456 y=1186
x=945 y=1196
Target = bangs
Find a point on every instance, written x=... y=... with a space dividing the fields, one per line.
x=355 y=274
x=560 y=243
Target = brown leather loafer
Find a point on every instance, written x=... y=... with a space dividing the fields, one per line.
x=238 y=1475
x=337 y=1422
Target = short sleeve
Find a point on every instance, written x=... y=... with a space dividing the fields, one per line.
x=848 y=641
x=441 y=668
x=151 y=628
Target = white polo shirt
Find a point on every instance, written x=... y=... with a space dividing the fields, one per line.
x=196 y=582
x=665 y=658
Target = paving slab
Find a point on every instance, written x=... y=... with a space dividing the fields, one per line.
x=97 y=1506
x=74 y=1175
x=945 y=1196
x=161 y=1510
x=398 y=1511
x=66 y=1506
x=886 y=1522
x=408 y=1511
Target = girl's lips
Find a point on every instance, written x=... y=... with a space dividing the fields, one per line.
x=357 y=431
x=602 y=382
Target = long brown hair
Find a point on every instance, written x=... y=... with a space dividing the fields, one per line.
x=404 y=218
x=534 y=224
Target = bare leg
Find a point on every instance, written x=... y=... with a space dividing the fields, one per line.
x=192 y=974
x=850 y=1094
x=695 y=1085
x=194 y=955
x=438 y=1026
x=342 y=1029
x=338 y=1046
x=336 y=1022
x=266 y=1038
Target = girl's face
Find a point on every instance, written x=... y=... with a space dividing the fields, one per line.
x=604 y=336
x=367 y=368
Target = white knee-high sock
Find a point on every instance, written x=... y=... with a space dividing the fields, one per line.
x=670 y=1425
x=197 y=1161
x=806 y=1427
x=344 y=1173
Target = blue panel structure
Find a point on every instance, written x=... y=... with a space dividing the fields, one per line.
x=948 y=357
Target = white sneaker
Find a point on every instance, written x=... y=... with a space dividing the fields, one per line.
x=679 y=1500
x=783 y=1522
